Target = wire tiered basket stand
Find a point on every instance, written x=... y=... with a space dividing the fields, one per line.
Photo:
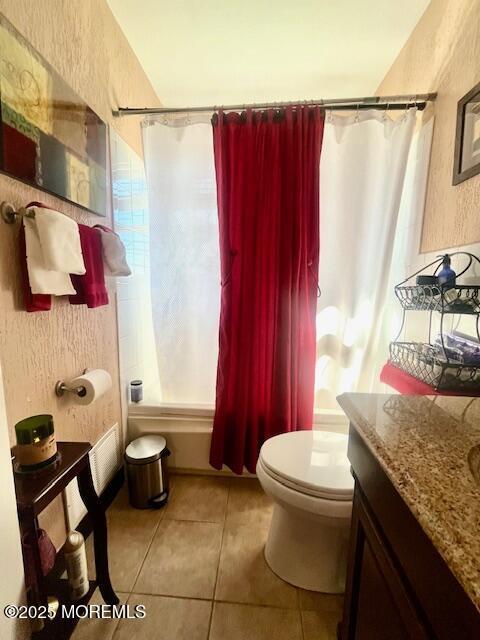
x=434 y=362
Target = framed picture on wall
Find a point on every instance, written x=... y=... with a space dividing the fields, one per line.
x=49 y=137
x=467 y=138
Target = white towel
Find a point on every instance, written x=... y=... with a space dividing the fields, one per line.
x=43 y=280
x=114 y=253
x=60 y=241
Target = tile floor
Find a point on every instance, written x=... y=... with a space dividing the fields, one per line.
x=198 y=567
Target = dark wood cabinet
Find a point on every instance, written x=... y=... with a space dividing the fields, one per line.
x=398 y=585
x=34 y=492
x=376 y=602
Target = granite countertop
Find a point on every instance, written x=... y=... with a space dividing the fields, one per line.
x=422 y=443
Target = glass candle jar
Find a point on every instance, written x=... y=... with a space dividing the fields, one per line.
x=136 y=391
x=36 y=445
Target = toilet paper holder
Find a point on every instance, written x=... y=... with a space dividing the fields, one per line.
x=62 y=387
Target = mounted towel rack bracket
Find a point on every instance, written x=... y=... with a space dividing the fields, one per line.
x=9 y=214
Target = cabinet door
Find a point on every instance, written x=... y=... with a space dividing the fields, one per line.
x=378 y=603
x=377 y=612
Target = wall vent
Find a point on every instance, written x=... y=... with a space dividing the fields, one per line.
x=105 y=460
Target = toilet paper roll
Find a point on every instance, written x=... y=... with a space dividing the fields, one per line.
x=96 y=382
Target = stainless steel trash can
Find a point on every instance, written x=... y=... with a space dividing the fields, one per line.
x=147 y=472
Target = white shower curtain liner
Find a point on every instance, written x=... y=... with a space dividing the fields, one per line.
x=178 y=120
x=363 y=188
x=362 y=185
x=184 y=255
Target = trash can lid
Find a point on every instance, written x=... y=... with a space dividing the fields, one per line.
x=145 y=449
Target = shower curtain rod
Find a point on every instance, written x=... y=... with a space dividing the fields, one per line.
x=337 y=104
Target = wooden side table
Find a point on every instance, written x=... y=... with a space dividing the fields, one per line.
x=35 y=491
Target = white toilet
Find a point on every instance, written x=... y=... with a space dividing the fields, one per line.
x=307 y=474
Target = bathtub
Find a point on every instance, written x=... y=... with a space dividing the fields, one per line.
x=188 y=430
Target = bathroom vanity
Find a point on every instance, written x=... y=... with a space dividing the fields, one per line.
x=414 y=558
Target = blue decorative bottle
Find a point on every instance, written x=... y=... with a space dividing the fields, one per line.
x=447 y=275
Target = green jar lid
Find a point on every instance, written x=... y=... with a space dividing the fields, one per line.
x=32 y=430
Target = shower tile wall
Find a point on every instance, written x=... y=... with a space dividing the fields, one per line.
x=130 y=214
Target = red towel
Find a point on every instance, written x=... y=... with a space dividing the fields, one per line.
x=406 y=384
x=33 y=302
x=90 y=287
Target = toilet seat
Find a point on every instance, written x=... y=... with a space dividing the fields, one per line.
x=303 y=503
x=313 y=463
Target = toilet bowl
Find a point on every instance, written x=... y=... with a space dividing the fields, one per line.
x=307 y=474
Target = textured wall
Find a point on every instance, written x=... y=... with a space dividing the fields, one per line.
x=82 y=41
x=443 y=55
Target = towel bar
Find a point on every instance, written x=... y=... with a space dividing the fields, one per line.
x=9 y=214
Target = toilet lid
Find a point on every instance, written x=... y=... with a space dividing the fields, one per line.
x=312 y=461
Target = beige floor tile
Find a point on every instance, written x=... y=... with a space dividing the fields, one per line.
x=173 y=477
x=248 y=503
x=246 y=622
x=315 y=601
x=167 y=619
x=200 y=498
x=130 y=532
x=182 y=560
x=93 y=628
x=319 y=625
x=121 y=513
x=243 y=573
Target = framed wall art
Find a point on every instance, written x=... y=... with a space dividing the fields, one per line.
x=467 y=138
x=49 y=137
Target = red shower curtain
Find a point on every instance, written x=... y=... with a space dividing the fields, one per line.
x=267 y=170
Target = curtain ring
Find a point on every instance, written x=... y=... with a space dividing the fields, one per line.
x=385 y=115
